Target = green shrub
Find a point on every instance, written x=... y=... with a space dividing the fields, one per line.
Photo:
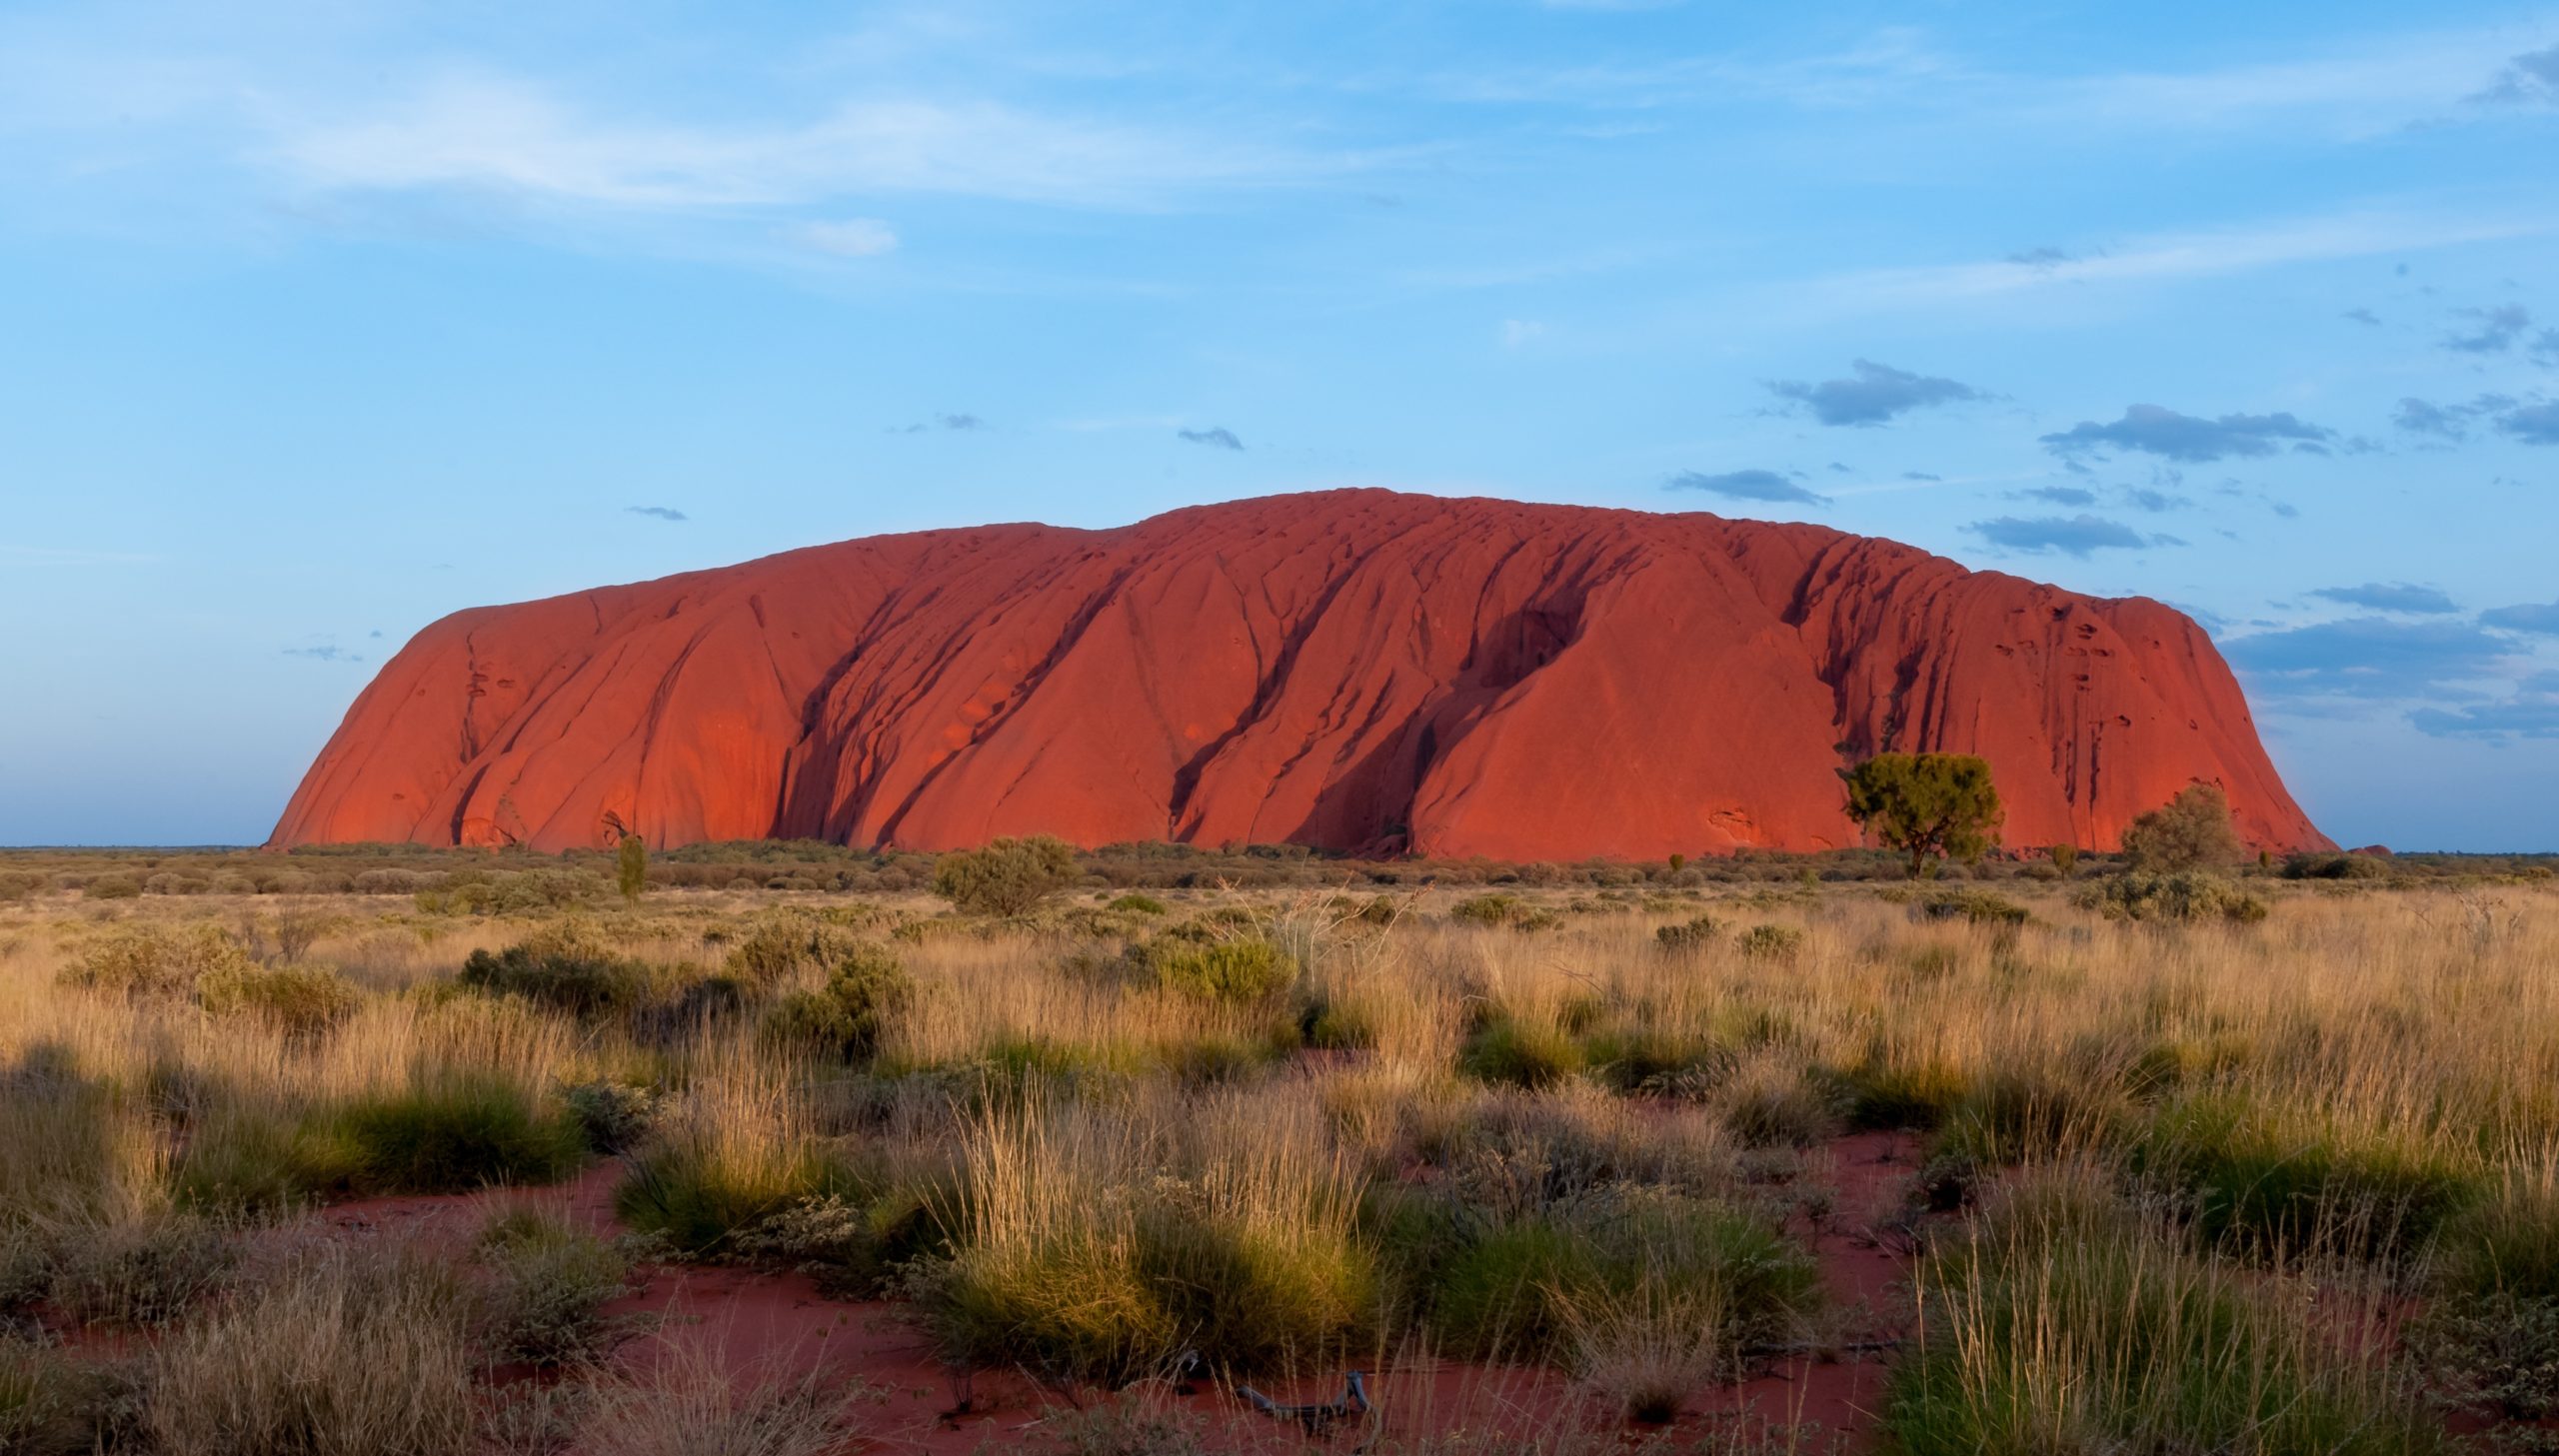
x=560 y=967
x=612 y=1117
x=549 y=1284
x=1520 y=1054
x=2177 y=899
x=1687 y=934
x=1138 y=904
x=788 y=943
x=301 y=1000
x=704 y=1203
x=1772 y=942
x=1504 y=910
x=844 y=1017
x=1006 y=878
x=454 y=1134
x=112 y=887
x=152 y=960
x=1981 y=906
x=2316 y=865
x=1225 y=970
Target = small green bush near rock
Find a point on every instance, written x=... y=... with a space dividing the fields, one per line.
x=1687 y=934
x=1772 y=942
x=1006 y=878
x=1241 y=971
x=301 y=1000
x=844 y=1017
x=2183 y=897
x=562 y=966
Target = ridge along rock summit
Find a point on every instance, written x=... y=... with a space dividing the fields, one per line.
x=1350 y=670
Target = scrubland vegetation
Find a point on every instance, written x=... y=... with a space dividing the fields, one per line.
x=2192 y=1161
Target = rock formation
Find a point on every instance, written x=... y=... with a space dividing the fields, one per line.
x=1352 y=669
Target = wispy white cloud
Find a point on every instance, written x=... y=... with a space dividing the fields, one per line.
x=849 y=237
x=2178 y=256
x=506 y=134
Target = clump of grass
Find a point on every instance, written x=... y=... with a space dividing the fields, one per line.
x=2181 y=897
x=690 y=1404
x=1521 y=1052
x=1688 y=934
x=145 y=1271
x=451 y=1132
x=2268 y=1179
x=1099 y=1247
x=1582 y=1270
x=2064 y=1323
x=345 y=1352
x=730 y=1154
x=142 y=960
x=53 y=1403
x=1138 y=905
x=612 y=1117
x=1129 y=1426
x=2490 y=1333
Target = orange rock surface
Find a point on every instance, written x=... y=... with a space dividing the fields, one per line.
x=1350 y=670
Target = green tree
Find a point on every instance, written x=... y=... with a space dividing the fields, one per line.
x=2065 y=857
x=2191 y=831
x=631 y=867
x=1008 y=877
x=1927 y=804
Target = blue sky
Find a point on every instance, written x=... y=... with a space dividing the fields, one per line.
x=319 y=321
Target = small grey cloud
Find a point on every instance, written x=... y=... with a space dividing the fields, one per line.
x=2143 y=498
x=2058 y=495
x=2544 y=347
x=1745 y=485
x=1841 y=468
x=2540 y=617
x=2529 y=79
x=1214 y=438
x=1876 y=394
x=2045 y=257
x=939 y=422
x=2532 y=712
x=2070 y=535
x=2369 y=657
x=376 y=633
x=661 y=513
x=2532 y=424
x=2362 y=316
x=2284 y=508
x=2399 y=597
x=2418 y=416
x=1920 y=475
x=2171 y=436
x=2495 y=331
x=325 y=653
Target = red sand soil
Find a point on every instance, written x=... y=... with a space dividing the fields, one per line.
x=1349 y=669
x=760 y=1325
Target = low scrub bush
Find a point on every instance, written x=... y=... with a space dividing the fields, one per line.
x=844 y=1017
x=141 y=1271
x=2316 y=865
x=1006 y=878
x=562 y=966
x=1771 y=943
x=1240 y=971
x=550 y=1281
x=1504 y=911
x=56 y=1403
x=1138 y=905
x=1688 y=934
x=2182 y=897
x=142 y=960
x=300 y=1001
x=728 y=1155
x=612 y=1117
x=1981 y=906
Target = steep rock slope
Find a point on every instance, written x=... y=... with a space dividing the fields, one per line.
x=1355 y=669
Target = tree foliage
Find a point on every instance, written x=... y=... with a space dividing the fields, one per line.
x=1008 y=877
x=1928 y=804
x=631 y=867
x=2191 y=831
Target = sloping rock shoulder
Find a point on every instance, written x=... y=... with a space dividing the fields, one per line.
x=1352 y=669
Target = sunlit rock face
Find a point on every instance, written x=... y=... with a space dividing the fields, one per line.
x=1353 y=670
